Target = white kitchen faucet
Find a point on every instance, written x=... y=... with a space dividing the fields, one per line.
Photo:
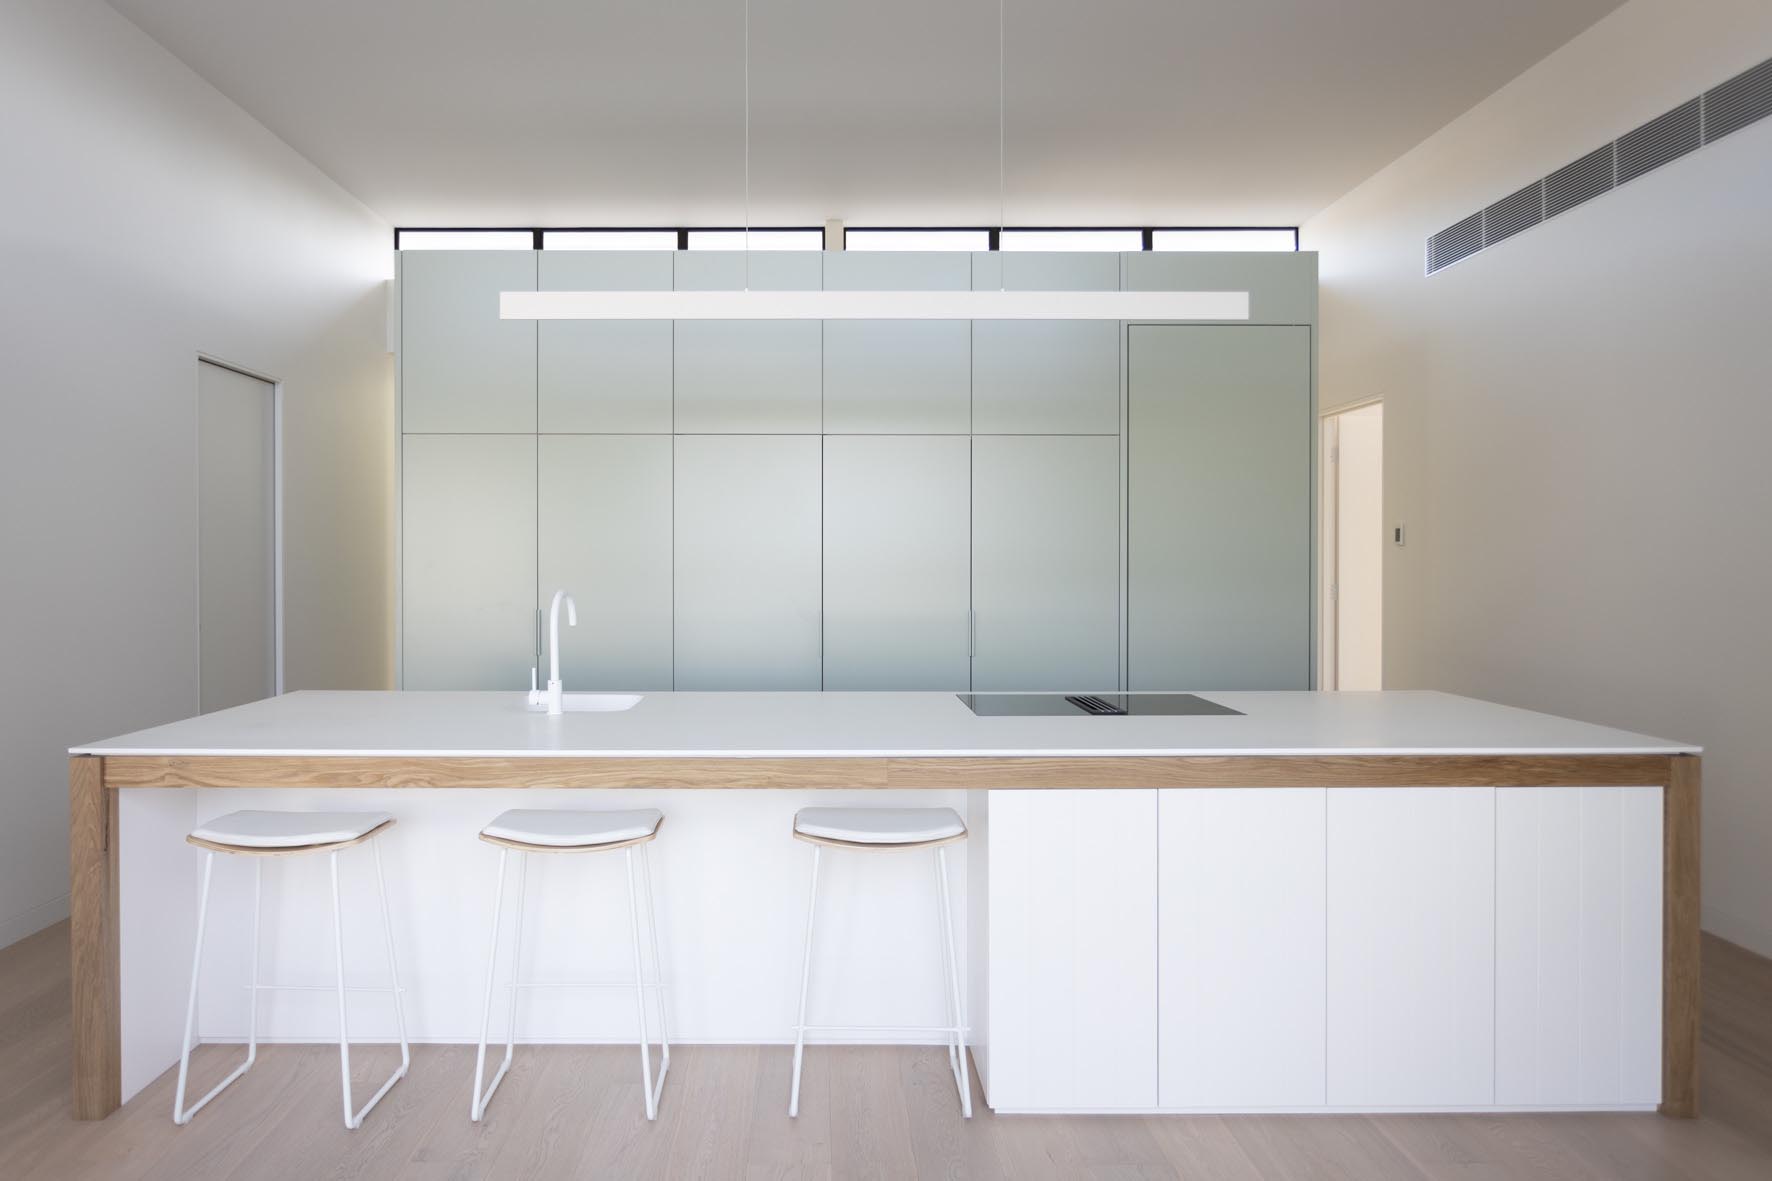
x=555 y=689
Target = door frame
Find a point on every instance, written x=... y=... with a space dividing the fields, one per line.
x=277 y=597
x=1328 y=540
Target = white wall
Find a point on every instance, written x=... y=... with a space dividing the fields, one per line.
x=1578 y=420
x=144 y=219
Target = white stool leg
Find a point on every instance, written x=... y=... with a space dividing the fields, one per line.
x=179 y=1114
x=344 y=1040
x=658 y=974
x=961 y=1078
x=481 y=1100
x=387 y=919
x=478 y=1106
x=258 y=894
x=805 y=982
x=640 y=991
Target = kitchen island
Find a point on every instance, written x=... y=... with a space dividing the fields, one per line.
x=1318 y=902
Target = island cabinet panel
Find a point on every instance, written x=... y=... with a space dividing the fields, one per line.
x=1218 y=507
x=1242 y=931
x=897 y=376
x=897 y=551
x=746 y=540
x=1045 y=562
x=605 y=537
x=604 y=375
x=467 y=561
x=462 y=369
x=1411 y=984
x=1046 y=376
x=748 y=376
x=1578 y=945
x=1073 y=949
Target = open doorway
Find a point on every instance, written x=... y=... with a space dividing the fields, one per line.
x=1353 y=548
x=237 y=537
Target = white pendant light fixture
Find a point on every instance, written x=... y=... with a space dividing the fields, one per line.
x=746 y=304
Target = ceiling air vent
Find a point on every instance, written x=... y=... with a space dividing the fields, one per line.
x=1456 y=241
x=1738 y=102
x=1581 y=181
x=1663 y=138
x=1510 y=215
x=1724 y=108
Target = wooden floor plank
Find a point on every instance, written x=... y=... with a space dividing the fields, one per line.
x=865 y=1111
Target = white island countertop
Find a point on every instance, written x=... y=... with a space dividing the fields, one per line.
x=868 y=725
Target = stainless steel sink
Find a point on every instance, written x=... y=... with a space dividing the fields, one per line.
x=1053 y=705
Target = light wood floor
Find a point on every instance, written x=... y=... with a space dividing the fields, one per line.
x=865 y=1112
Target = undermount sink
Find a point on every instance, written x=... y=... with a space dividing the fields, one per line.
x=594 y=703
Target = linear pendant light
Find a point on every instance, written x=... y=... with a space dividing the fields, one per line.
x=746 y=304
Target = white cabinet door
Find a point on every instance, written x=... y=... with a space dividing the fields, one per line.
x=747 y=561
x=1073 y=949
x=1241 y=947
x=1411 y=946
x=462 y=368
x=1578 y=945
x=748 y=376
x=897 y=552
x=1046 y=562
x=605 y=537
x=467 y=561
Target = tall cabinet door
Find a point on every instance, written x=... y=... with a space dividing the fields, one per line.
x=1218 y=507
x=1045 y=562
x=462 y=369
x=605 y=538
x=897 y=376
x=467 y=561
x=897 y=546
x=747 y=556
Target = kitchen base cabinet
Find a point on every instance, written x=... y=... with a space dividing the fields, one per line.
x=1241 y=947
x=1578 y=945
x=1073 y=950
x=1411 y=880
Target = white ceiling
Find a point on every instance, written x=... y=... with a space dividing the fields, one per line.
x=630 y=112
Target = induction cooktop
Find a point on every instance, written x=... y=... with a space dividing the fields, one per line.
x=1107 y=705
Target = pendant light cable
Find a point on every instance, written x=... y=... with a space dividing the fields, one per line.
x=747 y=145
x=1002 y=199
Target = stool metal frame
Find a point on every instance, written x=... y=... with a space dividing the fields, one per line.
x=955 y=1033
x=353 y=1118
x=654 y=1089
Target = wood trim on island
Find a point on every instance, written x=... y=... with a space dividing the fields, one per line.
x=94 y=782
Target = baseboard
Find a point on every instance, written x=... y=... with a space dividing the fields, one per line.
x=28 y=922
x=1754 y=935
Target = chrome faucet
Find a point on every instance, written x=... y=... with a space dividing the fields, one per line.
x=554 y=695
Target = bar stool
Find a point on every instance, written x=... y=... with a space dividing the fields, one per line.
x=879 y=830
x=534 y=830
x=283 y=834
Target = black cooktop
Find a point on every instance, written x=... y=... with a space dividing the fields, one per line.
x=1107 y=705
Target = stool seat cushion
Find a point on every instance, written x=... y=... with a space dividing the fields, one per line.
x=570 y=829
x=880 y=826
x=288 y=830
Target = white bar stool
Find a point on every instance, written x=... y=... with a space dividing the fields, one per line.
x=878 y=830
x=283 y=834
x=535 y=830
